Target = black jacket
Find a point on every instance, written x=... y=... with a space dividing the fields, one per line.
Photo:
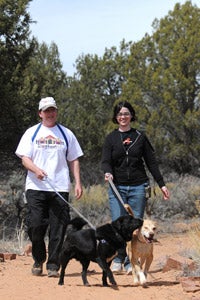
x=124 y=155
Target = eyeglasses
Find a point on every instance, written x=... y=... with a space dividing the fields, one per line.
x=125 y=114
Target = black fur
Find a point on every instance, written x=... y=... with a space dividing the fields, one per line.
x=98 y=245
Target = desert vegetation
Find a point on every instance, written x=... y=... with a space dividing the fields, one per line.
x=183 y=205
x=159 y=75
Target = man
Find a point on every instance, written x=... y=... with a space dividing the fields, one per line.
x=49 y=151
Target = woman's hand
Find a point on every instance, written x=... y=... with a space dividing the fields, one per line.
x=108 y=176
x=165 y=192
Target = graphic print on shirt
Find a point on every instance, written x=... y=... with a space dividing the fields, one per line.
x=127 y=141
x=49 y=142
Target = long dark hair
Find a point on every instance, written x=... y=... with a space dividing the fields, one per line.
x=119 y=106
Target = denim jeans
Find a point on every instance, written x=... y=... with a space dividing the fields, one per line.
x=135 y=196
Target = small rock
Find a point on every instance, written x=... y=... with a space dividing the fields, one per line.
x=190 y=284
x=1 y=257
x=177 y=265
x=9 y=256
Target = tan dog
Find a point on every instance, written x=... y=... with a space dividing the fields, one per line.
x=140 y=251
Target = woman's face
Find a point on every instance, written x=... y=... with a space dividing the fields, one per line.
x=124 y=117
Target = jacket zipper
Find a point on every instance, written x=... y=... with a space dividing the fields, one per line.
x=127 y=150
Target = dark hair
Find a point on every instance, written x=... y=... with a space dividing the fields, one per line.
x=119 y=106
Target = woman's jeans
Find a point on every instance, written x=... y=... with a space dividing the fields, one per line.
x=135 y=196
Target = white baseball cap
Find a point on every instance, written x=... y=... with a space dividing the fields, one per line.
x=46 y=103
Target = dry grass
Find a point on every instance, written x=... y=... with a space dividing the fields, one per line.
x=194 y=234
x=183 y=208
x=93 y=205
x=194 y=251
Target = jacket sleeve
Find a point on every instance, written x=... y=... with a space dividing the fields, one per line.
x=151 y=162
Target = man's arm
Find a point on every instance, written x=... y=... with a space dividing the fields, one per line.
x=29 y=165
x=75 y=169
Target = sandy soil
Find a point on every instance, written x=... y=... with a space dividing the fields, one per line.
x=16 y=281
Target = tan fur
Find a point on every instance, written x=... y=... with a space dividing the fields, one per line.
x=140 y=251
x=111 y=258
x=28 y=250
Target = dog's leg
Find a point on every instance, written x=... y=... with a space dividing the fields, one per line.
x=85 y=264
x=135 y=270
x=106 y=272
x=104 y=279
x=148 y=264
x=139 y=277
x=62 y=272
x=110 y=276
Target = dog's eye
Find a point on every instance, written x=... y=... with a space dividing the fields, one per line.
x=154 y=228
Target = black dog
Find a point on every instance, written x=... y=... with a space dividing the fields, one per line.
x=98 y=245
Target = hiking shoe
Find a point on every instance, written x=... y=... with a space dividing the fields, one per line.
x=128 y=270
x=37 y=269
x=52 y=273
x=116 y=268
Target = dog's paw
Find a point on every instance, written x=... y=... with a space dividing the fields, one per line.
x=87 y=284
x=142 y=278
x=105 y=284
x=113 y=282
x=135 y=280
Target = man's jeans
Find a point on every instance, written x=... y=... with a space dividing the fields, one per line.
x=135 y=196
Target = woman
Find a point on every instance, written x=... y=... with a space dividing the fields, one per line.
x=126 y=150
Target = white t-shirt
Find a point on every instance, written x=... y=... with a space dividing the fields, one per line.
x=50 y=153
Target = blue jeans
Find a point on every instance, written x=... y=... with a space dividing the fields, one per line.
x=135 y=196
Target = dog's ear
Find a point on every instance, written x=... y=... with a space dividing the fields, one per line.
x=106 y=232
x=117 y=224
x=78 y=223
x=136 y=231
x=155 y=224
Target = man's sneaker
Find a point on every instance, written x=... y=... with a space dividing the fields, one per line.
x=116 y=268
x=52 y=273
x=37 y=269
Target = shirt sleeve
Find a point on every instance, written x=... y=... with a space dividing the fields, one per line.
x=74 y=149
x=25 y=146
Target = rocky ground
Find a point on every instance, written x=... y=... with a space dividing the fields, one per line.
x=169 y=277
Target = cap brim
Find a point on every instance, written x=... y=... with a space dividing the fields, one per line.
x=48 y=106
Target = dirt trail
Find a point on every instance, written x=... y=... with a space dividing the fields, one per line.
x=16 y=281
